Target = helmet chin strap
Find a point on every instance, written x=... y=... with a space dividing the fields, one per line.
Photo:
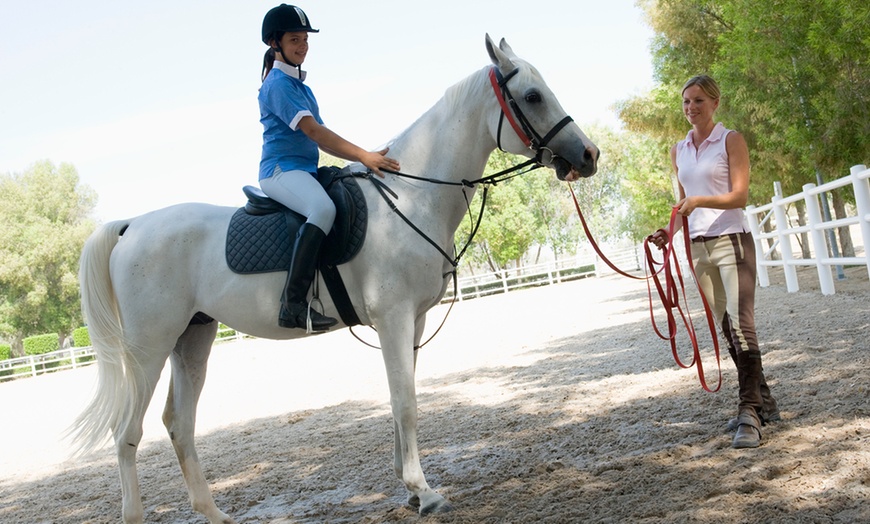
x=297 y=66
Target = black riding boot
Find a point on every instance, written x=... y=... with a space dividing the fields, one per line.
x=748 y=415
x=294 y=305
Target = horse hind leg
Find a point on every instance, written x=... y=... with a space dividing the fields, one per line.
x=189 y=362
x=142 y=377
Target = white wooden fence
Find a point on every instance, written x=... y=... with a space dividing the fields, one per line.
x=785 y=237
x=33 y=365
x=548 y=273
x=70 y=358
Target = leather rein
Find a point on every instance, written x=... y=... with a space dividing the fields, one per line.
x=671 y=293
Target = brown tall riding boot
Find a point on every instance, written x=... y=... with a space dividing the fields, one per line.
x=748 y=420
x=769 y=409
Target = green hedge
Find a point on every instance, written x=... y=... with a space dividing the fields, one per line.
x=224 y=331
x=5 y=351
x=81 y=337
x=39 y=344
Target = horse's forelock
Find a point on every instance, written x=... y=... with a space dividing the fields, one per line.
x=528 y=72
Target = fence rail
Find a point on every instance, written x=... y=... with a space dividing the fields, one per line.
x=783 y=237
x=554 y=272
x=33 y=365
x=70 y=358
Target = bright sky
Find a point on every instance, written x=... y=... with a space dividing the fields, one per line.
x=155 y=102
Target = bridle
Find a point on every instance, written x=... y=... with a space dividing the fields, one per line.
x=510 y=109
x=521 y=125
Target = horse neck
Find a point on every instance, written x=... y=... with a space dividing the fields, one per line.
x=451 y=141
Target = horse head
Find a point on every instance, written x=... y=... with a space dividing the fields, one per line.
x=542 y=129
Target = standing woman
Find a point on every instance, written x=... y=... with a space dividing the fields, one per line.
x=712 y=166
x=292 y=134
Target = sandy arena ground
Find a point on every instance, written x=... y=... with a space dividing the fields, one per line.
x=556 y=404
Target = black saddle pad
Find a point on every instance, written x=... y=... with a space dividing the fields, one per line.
x=260 y=235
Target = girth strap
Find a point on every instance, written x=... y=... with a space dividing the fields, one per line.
x=338 y=292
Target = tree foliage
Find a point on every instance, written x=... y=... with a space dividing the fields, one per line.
x=795 y=81
x=532 y=212
x=647 y=185
x=44 y=219
x=508 y=226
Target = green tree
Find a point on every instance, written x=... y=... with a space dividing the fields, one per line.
x=508 y=226
x=809 y=91
x=811 y=82
x=647 y=184
x=555 y=222
x=44 y=218
x=534 y=211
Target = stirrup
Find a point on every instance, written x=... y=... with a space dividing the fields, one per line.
x=302 y=315
x=311 y=314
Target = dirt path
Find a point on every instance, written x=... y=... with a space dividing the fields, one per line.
x=548 y=405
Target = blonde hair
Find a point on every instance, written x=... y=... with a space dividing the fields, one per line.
x=706 y=83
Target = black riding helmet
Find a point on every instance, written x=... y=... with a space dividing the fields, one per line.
x=285 y=19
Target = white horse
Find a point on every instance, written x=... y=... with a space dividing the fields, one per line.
x=143 y=279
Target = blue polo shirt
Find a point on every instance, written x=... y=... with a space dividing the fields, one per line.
x=284 y=101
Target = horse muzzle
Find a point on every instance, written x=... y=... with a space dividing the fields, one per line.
x=584 y=166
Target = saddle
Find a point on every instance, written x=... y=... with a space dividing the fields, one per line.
x=260 y=234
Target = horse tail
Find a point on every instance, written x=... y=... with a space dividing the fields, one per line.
x=106 y=411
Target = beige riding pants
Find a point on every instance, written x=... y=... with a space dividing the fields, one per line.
x=725 y=267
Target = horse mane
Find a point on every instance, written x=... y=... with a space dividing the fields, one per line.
x=452 y=100
x=456 y=94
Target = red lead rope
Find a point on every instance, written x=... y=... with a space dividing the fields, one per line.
x=670 y=294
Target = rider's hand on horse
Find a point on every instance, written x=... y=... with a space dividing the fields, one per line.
x=377 y=160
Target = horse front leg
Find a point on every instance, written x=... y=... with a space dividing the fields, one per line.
x=398 y=456
x=189 y=364
x=400 y=359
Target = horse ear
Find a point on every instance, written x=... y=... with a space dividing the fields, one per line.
x=503 y=45
x=499 y=57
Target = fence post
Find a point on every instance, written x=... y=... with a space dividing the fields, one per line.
x=760 y=267
x=791 y=281
x=814 y=216
x=862 y=203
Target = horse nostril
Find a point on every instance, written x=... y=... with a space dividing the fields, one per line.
x=591 y=154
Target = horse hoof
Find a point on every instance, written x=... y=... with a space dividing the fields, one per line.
x=414 y=501
x=439 y=506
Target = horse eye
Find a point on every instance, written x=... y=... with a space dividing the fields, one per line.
x=533 y=97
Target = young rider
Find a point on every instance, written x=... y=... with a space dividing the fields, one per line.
x=292 y=134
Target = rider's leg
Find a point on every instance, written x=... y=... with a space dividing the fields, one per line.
x=302 y=193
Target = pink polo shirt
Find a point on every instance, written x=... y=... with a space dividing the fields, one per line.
x=704 y=171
